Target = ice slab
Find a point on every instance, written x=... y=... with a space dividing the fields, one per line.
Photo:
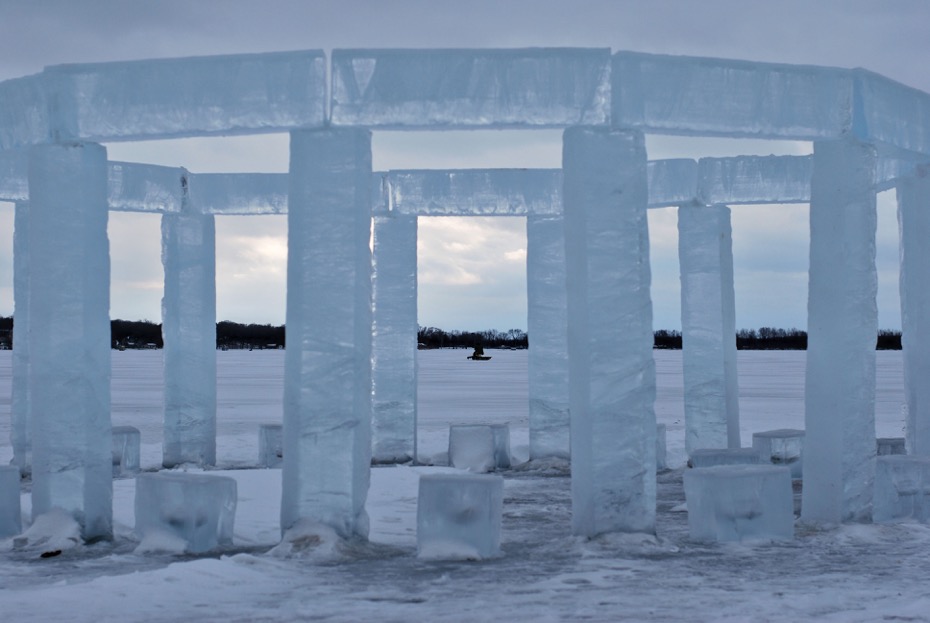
x=459 y=516
x=181 y=97
x=196 y=508
x=890 y=445
x=474 y=192
x=10 y=512
x=902 y=489
x=892 y=113
x=661 y=453
x=755 y=179
x=270 y=445
x=24 y=115
x=739 y=503
x=712 y=457
x=133 y=187
x=126 y=446
x=784 y=446
x=471 y=88
x=238 y=193
x=672 y=182
x=14 y=176
x=472 y=447
x=717 y=97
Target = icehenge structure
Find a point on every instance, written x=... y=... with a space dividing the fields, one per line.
x=869 y=133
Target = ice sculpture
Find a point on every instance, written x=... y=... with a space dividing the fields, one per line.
x=459 y=516
x=19 y=400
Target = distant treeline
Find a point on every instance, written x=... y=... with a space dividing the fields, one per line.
x=145 y=334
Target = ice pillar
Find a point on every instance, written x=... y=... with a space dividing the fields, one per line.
x=914 y=229
x=327 y=379
x=394 y=340
x=612 y=372
x=19 y=407
x=189 y=330
x=546 y=324
x=69 y=335
x=708 y=327
x=839 y=444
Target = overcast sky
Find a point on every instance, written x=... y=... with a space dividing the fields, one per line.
x=471 y=271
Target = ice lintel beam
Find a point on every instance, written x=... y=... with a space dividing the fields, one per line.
x=890 y=113
x=754 y=179
x=134 y=187
x=24 y=113
x=239 y=193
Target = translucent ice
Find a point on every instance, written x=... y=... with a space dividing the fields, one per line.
x=10 y=517
x=19 y=399
x=270 y=445
x=782 y=447
x=126 y=446
x=145 y=188
x=239 y=193
x=672 y=182
x=739 y=502
x=197 y=508
x=471 y=88
x=14 y=176
x=471 y=447
x=755 y=179
x=890 y=112
x=712 y=457
x=459 y=516
x=902 y=489
x=24 y=114
x=501 y=434
x=661 y=462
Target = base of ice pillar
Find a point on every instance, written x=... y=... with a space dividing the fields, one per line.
x=69 y=335
x=611 y=365
x=10 y=513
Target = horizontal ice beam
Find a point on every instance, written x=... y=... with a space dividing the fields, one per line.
x=755 y=179
x=239 y=193
x=672 y=182
x=516 y=88
x=135 y=187
x=891 y=113
x=716 y=97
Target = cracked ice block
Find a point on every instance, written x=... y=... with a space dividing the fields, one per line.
x=196 y=508
x=890 y=445
x=181 y=97
x=270 y=445
x=712 y=457
x=718 y=97
x=739 y=502
x=126 y=445
x=471 y=88
x=755 y=179
x=902 y=489
x=135 y=187
x=472 y=447
x=10 y=513
x=459 y=516
x=238 y=193
x=781 y=447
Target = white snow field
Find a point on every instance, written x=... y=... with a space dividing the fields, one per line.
x=857 y=572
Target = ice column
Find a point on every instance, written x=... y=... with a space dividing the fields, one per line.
x=839 y=445
x=19 y=408
x=394 y=340
x=189 y=329
x=69 y=336
x=327 y=376
x=546 y=322
x=708 y=327
x=612 y=372
x=914 y=227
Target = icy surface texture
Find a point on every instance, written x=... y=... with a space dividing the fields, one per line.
x=890 y=445
x=126 y=446
x=239 y=193
x=189 y=332
x=913 y=221
x=394 y=341
x=902 y=489
x=672 y=182
x=14 y=176
x=11 y=521
x=708 y=96
x=708 y=327
x=501 y=434
x=739 y=503
x=755 y=179
x=327 y=366
x=612 y=371
x=781 y=447
x=69 y=336
x=270 y=445
x=19 y=399
x=661 y=462
x=839 y=444
x=196 y=508
x=459 y=516
x=471 y=447
x=145 y=188
x=24 y=114
x=548 y=354
x=711 y=457
x=892 y=113
x=475 y=192
x=171 y=98
x=471 y=88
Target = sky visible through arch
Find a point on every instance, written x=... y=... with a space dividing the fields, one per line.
x=471 y=276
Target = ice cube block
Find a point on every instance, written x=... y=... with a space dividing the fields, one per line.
x=890 y=445
x=126 y=445
x=270 y=445
x=902 y=489
x=197 y=508
x=472 y=447
x=501 y=435
x=712 y=457
x=739 y=502
x=10 y=512
x=781 y=447
x=459 y=516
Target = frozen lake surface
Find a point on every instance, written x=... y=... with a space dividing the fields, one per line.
x=854 y=573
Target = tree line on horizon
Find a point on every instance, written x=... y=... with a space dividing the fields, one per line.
x=233 y=335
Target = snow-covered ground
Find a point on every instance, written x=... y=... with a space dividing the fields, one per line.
x=854 y=573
